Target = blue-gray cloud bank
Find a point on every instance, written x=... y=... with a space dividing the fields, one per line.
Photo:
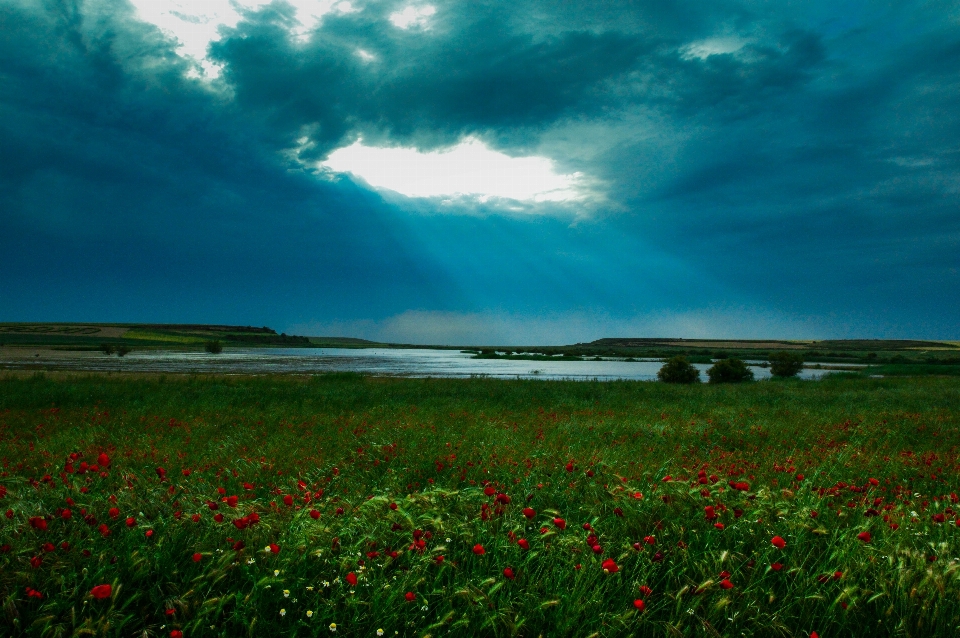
x=755 y=169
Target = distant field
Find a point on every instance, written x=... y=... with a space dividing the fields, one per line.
x=281 y=506
x=92 y=335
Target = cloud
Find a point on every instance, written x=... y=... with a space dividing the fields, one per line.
x=796 y=160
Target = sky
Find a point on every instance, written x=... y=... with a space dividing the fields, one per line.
x=527 y=172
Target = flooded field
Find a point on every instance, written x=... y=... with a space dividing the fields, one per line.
x=385 y=362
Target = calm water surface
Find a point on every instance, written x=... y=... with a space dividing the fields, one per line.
x=386 y=362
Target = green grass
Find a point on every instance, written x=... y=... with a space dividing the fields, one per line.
x=907 y=370
x=589 y=453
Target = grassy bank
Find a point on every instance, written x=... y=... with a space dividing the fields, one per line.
x=417 y=489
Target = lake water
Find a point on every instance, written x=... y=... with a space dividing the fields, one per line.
x=382 y=362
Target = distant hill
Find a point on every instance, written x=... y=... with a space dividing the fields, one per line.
x=91 y=335
x=773 y=344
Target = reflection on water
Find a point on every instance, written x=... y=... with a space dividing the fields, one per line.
x=386 y=362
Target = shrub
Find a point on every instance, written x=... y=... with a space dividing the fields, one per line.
x=785 y=364
x=122 y=350
x=107 y=348
x=213 y=347
x=678 y=370
x=729 y=371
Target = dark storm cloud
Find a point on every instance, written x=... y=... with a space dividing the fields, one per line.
x=474 y=73
x=799 y=160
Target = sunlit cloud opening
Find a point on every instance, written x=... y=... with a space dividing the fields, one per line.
x=467 y=169
x=412 y=17
x=703 y=49
x=196 y=23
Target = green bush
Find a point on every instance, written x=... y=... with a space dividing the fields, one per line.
x=729 y=371
x=678 y=370
x=107 y=348
x=785 y=364
x=122 y=350
x=213 y=347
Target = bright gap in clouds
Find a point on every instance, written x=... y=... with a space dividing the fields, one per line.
x=469 y=168
x=196 y=23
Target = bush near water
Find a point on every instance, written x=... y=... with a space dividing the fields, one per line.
x=730 y=371
x=295 y=507
x=678 y=370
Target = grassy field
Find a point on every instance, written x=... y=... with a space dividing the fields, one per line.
x=344 y=505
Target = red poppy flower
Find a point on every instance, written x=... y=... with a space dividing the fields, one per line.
x=131 y=521
x=439 y=559
x=597 y=549
x=101 y=591
x=618 y=511
x=176 y=633
x=232 y=501
x=726 y=584
x=197 y=557
x=814 y=634
x=339 y=511
x=185 y=472
x=523 y=543
x=489 y=491
x=104 y=530
x=36 y=522
x=274 y=548
x=724 y=574
x=218 y=518
x=837 y=575
x=776 y=567
x=639 y=604
x=8 y=513
x=778 y=542
x=709 y=512
x=650 y=540
x=508 y=573
x=559 y=522
x=393 y=506
x=195 y=518
x=314 y=514
x=287 y=499
x=479 y=550
x=148 y=533
x=874 y=482
x=410 y=596
x=103 y=460
x=529 y=512
x=609 y=566
x=36 y=561
x=718 y=525
x=352 y=579
x=864 y=536
x=114 y=512
x=646 y=591
x=66 y=514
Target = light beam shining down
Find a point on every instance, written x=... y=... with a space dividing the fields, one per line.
x=467 y=169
